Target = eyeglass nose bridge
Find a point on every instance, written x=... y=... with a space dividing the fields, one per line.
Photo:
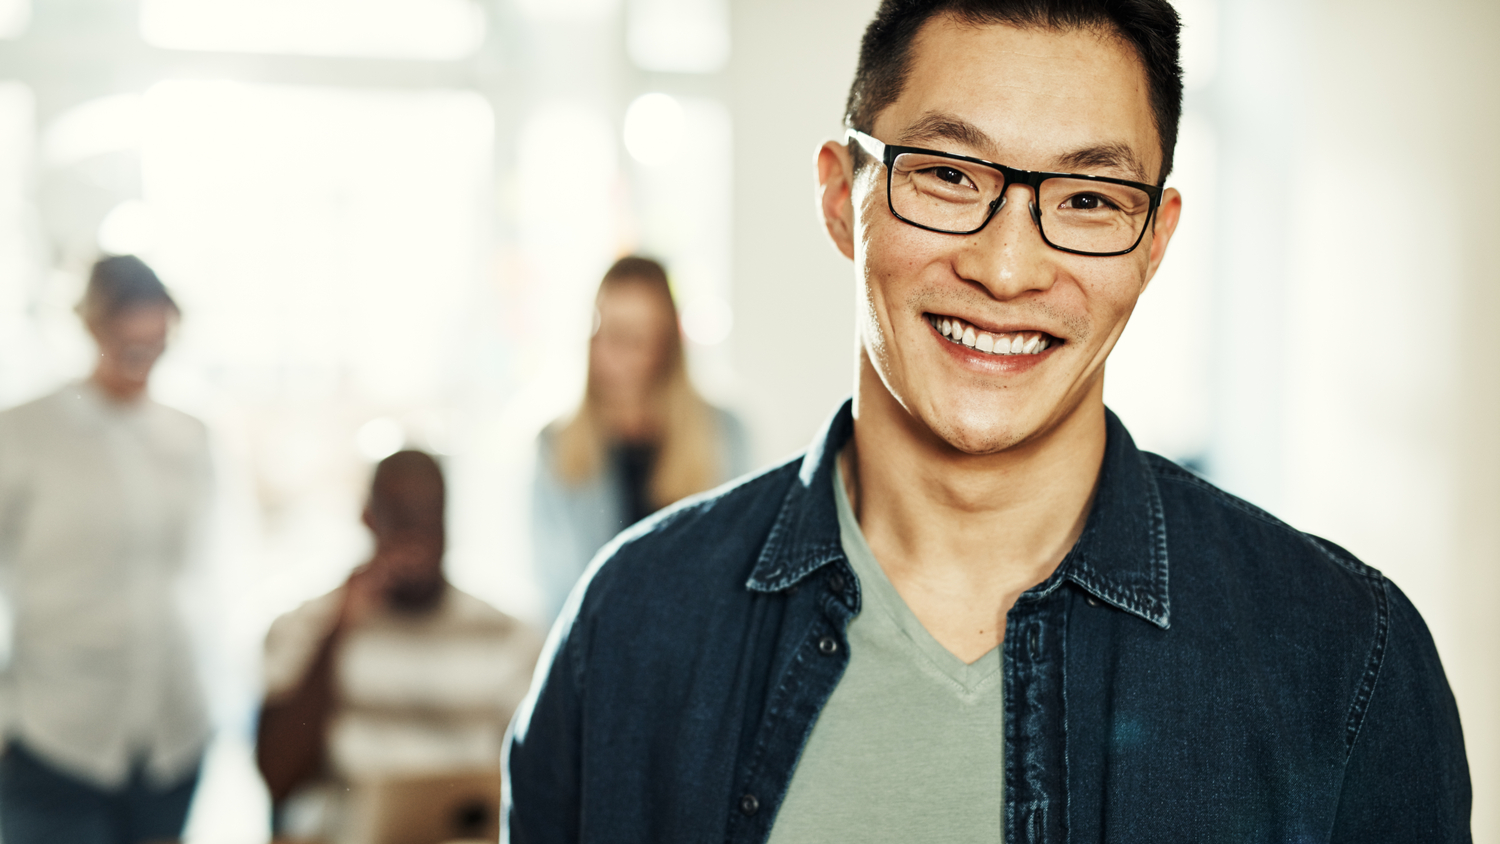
x=1031 y=206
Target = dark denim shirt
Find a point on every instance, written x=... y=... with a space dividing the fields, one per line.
x=1193 y=671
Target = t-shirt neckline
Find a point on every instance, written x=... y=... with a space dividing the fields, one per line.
x=880 y=595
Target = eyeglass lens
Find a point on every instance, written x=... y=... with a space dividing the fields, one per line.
x=956 y=196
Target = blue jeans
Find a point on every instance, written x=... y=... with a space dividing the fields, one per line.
x=41 y=805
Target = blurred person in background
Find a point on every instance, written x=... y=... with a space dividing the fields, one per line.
x=102 y=491
x=642 y=438
x=396 y=674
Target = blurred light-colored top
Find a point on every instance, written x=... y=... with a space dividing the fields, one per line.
x=416 y=695
x=100 y=505
x=571 y=522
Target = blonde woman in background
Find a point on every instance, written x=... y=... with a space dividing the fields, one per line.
x=641 y=439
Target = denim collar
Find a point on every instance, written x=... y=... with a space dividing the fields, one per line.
x=1120 y=558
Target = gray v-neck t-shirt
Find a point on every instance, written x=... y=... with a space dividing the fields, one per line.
x=908 y=747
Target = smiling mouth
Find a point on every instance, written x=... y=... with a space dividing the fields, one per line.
x=1002 y=344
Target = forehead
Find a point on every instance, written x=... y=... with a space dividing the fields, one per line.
x=632 y=302
x=142 y=318
x=1035 y=94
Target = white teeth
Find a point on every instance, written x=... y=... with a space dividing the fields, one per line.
x=1030 y=343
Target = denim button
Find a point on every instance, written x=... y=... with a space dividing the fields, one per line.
x=836 y=582
x=1093 y=602
x=1033 y=643
x=827 y=646
x=749 y=805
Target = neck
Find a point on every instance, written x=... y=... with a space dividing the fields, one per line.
x=966 y=534
x=631 y=418
x=117 y=390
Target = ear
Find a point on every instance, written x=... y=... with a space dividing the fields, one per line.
x=835 y=189
x=1162 y=227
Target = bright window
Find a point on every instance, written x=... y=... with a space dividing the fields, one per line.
x=20 y=366
x=326 y=245
x=683 y=159
x=14 y=17
x=414 y=29
x=682 y=36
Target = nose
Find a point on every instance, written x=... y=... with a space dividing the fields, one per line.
x=1008 y=256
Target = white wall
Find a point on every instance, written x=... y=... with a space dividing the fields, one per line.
x=793 y=292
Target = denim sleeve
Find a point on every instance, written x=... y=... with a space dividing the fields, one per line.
x=540 y=800
x=1407 y=778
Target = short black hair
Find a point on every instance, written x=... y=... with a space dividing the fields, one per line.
x=1150 y=27
x=119 y=283
x=407 y=490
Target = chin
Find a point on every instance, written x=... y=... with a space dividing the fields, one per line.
x=979 y=430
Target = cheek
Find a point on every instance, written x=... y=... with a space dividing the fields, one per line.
x=134 y=359
x=890 y=263
x=609 y=362
x=599 y=356
x=1108 y=296
x=624 y=360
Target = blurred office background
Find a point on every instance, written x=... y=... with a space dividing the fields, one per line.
x=385 y=221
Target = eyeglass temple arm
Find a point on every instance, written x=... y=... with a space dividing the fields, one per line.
x=874 y=147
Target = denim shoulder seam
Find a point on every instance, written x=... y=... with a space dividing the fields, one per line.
x=1380 y=589
x=1344 y=560
x=1171 y=471
x=579 y=663
x=1366 y=691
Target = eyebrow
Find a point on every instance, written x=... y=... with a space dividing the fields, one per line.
x=944 y=127
x=936 y=126
x=1115 y=155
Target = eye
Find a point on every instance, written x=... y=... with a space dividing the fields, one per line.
x=949 y=175
x=941 y=177
x=1088 y=202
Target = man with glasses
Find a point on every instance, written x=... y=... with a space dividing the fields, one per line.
x=974 y=611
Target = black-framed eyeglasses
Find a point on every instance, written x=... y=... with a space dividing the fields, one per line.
x=956 y=194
